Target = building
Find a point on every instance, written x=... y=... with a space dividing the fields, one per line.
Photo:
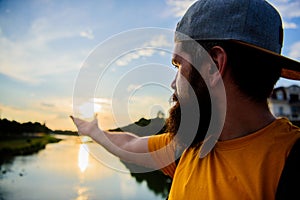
x=285 y=102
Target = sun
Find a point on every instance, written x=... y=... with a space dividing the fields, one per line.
x=89 y=109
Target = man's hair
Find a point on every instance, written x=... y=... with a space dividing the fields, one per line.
x=255 y=73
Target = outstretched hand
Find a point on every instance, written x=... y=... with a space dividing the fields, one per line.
x=124 y=145
x=85 y=127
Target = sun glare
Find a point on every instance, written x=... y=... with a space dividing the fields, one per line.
x=83 y=158
x=89 y=109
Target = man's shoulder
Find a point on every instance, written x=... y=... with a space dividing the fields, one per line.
x=285 y=126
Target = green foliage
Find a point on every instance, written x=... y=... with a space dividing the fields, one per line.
x=15 y=128
x=24 y=145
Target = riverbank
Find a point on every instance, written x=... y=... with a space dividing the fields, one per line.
x=13 y=146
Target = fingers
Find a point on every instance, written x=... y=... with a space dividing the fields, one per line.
x=74 y=119
x=86 y=127
x=78 y=122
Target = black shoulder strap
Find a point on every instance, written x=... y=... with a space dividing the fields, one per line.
x=289 y=187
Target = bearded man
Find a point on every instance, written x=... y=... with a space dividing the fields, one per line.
x=230 y=145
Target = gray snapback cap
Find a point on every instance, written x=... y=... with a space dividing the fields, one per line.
x=253 y=23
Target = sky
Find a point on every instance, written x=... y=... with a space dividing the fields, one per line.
x=46 y=45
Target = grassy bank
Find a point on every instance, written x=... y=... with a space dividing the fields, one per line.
x=24 y=145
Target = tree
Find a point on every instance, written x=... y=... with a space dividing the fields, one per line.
x=160 y=114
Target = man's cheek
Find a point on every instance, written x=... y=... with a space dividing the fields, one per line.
x=183 y=88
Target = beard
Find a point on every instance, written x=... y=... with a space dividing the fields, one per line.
x=181 y=125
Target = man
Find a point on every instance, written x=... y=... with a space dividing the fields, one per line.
x=250 y=146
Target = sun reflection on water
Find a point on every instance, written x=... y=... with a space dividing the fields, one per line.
x=82 y=193
x=83 y=157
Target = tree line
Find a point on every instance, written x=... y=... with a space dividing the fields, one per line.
x=14 y=128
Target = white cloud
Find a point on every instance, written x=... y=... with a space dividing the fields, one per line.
x=43 y=48
x=147 y=50
x=31 y=58
x=289 y=10
x=45 y=30
x=133 y=87
x=179 y=7
x=87 y=34
x=290 y=25
x=102 y=101
x=295 y=51
x=27 y=62
x=158 y=41
x=134 y=55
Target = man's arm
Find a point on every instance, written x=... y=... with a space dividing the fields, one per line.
x=126 y=146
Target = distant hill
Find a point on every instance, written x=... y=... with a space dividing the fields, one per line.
x=144 y=127
x=66 y=132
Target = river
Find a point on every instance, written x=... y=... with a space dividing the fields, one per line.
x=66 y=171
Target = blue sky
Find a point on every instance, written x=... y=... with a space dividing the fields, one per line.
x=44 y=44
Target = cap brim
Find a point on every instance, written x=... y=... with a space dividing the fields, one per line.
x=290 y=68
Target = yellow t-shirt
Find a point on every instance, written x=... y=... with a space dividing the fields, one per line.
x=244 y=168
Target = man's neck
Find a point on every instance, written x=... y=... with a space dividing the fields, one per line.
x=245 y=117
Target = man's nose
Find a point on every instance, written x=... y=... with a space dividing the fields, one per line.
x=173 y=84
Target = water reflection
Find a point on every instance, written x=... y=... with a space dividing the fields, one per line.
x=66 y=170
x=83 y=157
x=156 y=181
x=82 y=193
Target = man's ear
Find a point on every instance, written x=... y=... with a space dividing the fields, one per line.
x=216 y=72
